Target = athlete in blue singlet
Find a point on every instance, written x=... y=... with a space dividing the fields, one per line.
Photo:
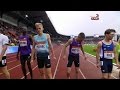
x=41 y=45
x=106 y=52
x=74 y=50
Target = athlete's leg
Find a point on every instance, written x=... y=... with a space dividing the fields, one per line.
x=69 y=64
x=22 y=60
x=49 y=73
x=109 y=76
x=104 y=68
x=110 y=68
x=5 y=72
x=29 y=67
x=77 y=64
x=48 y=68
x=40 y=63
x=77 y=72
x=3 y=67
x=42 y=73
x=68 y=72
x=105 y=76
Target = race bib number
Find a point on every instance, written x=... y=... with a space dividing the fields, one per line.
x=40 y=46
x=108 y=55
x=75 y=50
x=23 y=43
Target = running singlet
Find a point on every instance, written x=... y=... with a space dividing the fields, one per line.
x=74 y=47
x=41 y=43
x=24 y=45
x=107 y=51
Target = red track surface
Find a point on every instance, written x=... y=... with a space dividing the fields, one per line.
x=88 y=70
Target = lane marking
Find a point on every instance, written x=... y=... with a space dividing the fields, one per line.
x=95 y=64
x=29 y=72
x=82 y=74
x=57 y=65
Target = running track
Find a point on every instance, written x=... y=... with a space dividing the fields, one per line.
x=88 y=69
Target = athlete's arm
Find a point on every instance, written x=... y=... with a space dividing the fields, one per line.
x=81 y=46
x=31 y=39
x=99 y=45
x=33 y=49
x=18 y=51
x=65 y=46
x=50 y=44
x=115 y=53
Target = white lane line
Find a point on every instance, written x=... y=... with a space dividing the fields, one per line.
x=12 y=68
x=29 y=72
x=11 y=57
x=11 y=61
x=82 y=74
x=57 y=64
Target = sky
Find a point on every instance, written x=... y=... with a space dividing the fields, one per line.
x=74 y=22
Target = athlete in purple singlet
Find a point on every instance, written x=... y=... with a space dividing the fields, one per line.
x=74 y=51
x=24 y=50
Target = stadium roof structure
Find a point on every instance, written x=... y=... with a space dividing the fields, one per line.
x=31 y=17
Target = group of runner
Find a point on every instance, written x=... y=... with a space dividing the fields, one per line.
x=42 y=47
